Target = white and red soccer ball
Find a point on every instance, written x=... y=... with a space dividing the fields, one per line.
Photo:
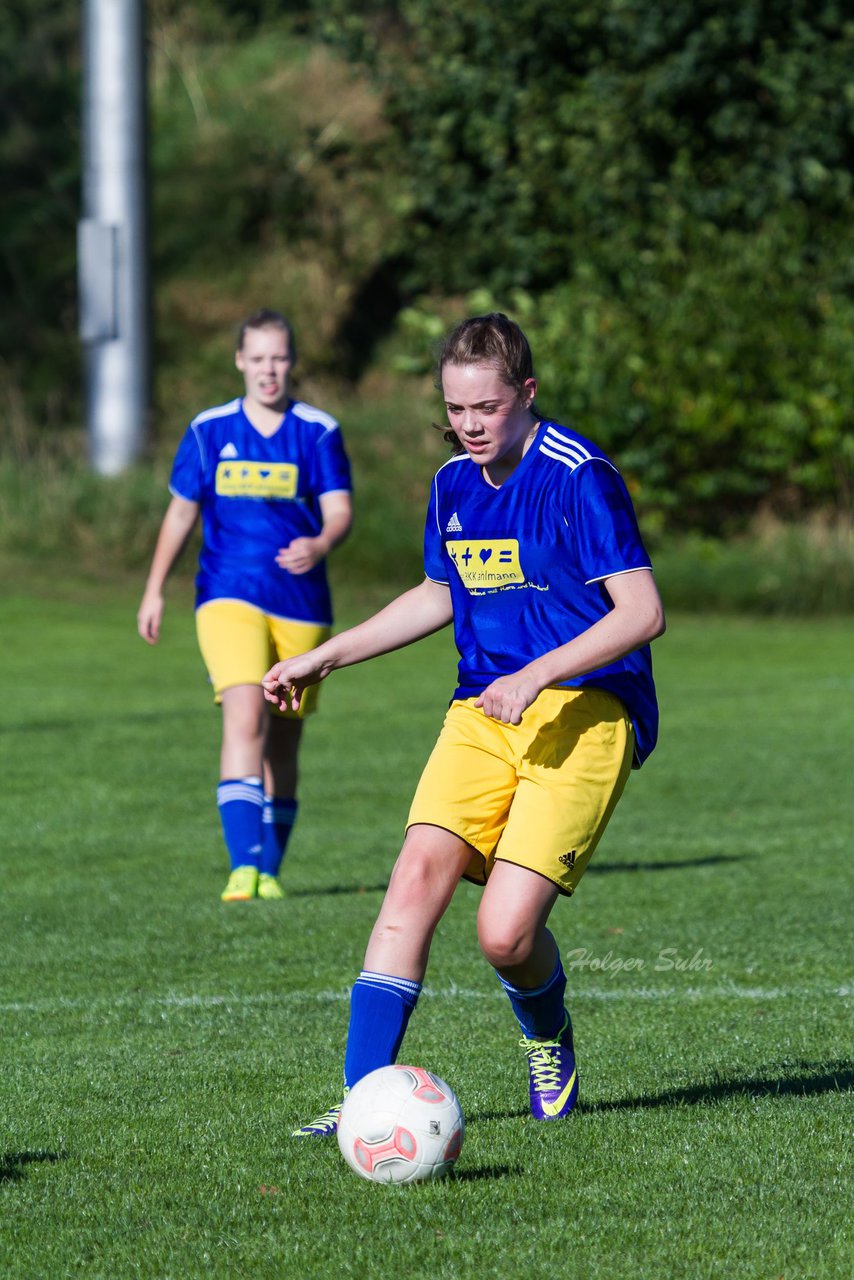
x=401 y=1124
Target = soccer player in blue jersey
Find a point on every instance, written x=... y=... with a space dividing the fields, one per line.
x=532 y=550
x=271 y=479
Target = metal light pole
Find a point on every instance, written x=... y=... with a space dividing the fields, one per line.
x=112 y=236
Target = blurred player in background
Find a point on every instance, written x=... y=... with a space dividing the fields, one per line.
x=533 y=551
x=271 y=479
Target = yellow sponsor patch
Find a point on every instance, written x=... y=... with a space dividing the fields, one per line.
x=257 y=479
x=487 y=566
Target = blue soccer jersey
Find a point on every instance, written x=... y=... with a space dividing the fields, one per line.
x=525 y=565
x=257 y=493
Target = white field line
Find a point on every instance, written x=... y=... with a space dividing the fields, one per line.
x=177 y=1000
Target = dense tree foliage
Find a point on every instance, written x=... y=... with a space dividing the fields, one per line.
x=537 y=131
x=664 y=191
x=39 y=200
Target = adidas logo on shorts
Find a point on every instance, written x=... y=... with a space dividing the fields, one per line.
x=568 y=859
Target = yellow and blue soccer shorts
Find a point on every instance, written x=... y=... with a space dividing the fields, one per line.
x=538 y=794
x=240 y=643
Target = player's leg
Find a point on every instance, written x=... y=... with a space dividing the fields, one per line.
x=514 y=937
x=511 y=925
x=459 y=806
x=234 y=642
x=240 y=794
x=281 y=773
x=422 y=883
x=281 y=757
x=457 y=813
x=574 y=755
x=384 y=995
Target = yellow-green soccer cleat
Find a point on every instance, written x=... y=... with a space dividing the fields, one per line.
x=325 y=1126
x=242 y=885
x=269 y=888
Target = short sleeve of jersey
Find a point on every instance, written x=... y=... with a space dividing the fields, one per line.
x=607 y=537
x=434 y=566
x=187 y=478
x=333 y=465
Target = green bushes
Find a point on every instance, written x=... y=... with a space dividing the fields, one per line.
x=719 y=386
x=802 y=570
x=661 y=194
x=55 y=511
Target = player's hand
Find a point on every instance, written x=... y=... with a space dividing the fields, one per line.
x=508 y=697
x=300 y=555
x=284 y=695
x=285 y=683
x=150 y=616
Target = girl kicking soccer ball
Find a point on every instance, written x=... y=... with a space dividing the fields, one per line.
x=532 y=549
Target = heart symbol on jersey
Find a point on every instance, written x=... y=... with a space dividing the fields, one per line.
x=484 y=556
x=265 y=473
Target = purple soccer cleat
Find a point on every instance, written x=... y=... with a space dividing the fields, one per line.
x=553 y=1074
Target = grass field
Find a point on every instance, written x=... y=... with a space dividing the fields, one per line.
x=157 y=1047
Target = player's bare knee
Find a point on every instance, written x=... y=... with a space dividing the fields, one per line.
x=411 y=884
x=423 y=870
x=503 y=945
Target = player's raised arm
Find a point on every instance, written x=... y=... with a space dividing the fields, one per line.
x=411 y=616
x=181 y=516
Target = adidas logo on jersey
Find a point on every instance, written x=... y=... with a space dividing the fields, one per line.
x=453 y=525
x=228 y=451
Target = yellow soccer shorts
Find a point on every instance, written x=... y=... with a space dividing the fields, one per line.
x=240 y=643
x=538 y=794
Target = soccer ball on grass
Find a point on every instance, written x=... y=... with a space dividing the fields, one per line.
x=401 y=1124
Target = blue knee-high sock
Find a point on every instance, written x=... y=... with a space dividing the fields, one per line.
x=279 y=818
x=240 y=802
x=539 y=1010
x=380 y=1008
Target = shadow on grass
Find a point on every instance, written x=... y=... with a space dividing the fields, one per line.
x=13 y=1163
x=332 y=889
x=486 y=1172
x=595 y=868
x=836 y=1078
x=480 y=1117
x=600 y=868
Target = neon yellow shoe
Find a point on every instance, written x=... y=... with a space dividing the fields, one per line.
x=324 y=1126
x=269 y=888
x=242 y=885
